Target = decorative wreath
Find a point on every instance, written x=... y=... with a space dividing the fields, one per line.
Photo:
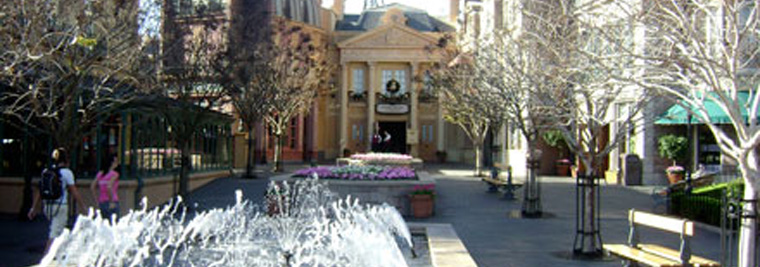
x=392 y=86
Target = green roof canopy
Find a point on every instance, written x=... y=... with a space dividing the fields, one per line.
x=677 y=114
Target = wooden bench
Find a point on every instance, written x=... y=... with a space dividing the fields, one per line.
x=496 y=182
x=653 y=254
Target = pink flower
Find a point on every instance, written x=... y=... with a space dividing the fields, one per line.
x=675 y=169
x=427 y=189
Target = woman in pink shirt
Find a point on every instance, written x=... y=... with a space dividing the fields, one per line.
x=105 y=188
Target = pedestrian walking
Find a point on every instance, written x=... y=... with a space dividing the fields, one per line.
x=105 y=188
x=56 y=183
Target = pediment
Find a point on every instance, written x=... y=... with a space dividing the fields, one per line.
x=394 y=35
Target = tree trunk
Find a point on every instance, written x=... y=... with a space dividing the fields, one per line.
x=28 y=194
x=184 y=179
x=277 y=153
x=488 y=151
x=532 y=197
x=250 y=156
x=748 y=230
x=478 y=159
x=589 y=247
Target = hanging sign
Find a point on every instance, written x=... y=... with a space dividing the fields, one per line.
x=392 y=108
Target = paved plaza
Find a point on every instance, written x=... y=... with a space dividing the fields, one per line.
x=486 y=224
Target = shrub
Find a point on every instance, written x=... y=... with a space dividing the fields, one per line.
x=705 y=204
x=672 y=147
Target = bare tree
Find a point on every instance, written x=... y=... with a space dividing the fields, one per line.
x=511 y=66
x=243 y=70
x=466 y=98
x=703 y=52
x=67 y=66
x=188 y=93
x=587 y=75
x=296 y=69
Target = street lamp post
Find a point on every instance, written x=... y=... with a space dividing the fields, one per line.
x=689 y=154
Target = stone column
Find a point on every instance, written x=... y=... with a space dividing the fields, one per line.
x=343 y=141
x=504 y=145
x=413 y=116
x=372 y=82
x=440 y=128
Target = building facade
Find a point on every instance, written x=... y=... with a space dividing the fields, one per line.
x=383 y=71
x=379 y=86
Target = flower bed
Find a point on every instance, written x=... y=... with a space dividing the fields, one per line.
x=383 y=158
x=367 y=172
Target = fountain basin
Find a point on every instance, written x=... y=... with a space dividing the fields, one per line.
x=392 y=192
x=444 y=248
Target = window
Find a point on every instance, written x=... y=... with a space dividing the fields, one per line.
x=358 y=81
x=427 y=83
x=427 y=133
x=198 y=7
x=387 y=76
x=399 y=76
x=357 y=132
x=293 y=133
x=625 y=126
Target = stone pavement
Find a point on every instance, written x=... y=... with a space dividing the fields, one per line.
x=494 y=238
x=482 y=220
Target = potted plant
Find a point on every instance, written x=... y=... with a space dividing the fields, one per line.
x=421 y=200
x=563 y=167
x=674 y=148
x=675 y=173
x=554 y=138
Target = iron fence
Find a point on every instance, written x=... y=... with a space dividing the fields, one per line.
x=720 y=205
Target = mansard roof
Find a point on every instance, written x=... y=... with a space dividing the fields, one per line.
x=369 y=19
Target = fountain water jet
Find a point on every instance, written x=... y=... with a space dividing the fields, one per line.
x=312 y=228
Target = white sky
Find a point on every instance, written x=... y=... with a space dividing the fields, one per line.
x=433 y=7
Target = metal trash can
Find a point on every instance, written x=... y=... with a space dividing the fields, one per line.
x=632 y=169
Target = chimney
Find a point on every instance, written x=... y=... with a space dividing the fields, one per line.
x=338 y=8
x=453 y=11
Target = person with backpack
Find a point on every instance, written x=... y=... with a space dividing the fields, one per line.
x=105 y=188
x=56 y=183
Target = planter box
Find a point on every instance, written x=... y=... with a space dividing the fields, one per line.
x=422 y=205
x=563 y=169
x=674 y=177
x=395 y=193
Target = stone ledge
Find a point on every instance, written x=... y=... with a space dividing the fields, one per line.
x=446 y=249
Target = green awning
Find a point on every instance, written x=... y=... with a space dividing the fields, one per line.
x=677 y=114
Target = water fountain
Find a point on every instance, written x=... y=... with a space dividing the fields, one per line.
x=311 y=227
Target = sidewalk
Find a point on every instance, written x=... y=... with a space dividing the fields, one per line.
x=494 y=238
x=482 y=220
